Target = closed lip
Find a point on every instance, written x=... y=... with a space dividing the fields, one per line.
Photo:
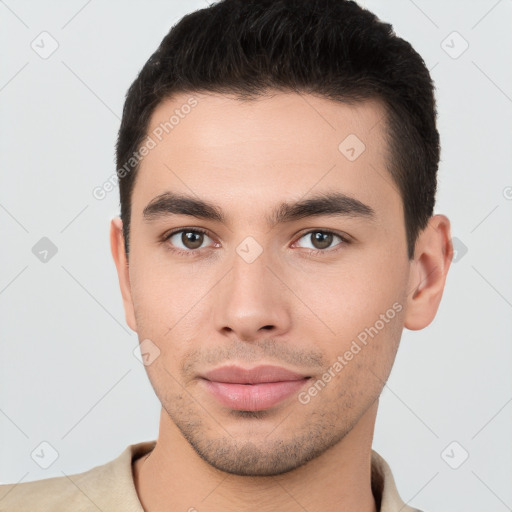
x=264 y=373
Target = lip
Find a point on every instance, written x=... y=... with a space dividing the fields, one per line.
x=253 y=389
x=260 y=374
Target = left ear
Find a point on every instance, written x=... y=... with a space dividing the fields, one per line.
x=432 y=258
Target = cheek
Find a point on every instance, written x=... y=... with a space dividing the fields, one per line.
x=354 y=294
x=169 y=298
x=361 y=308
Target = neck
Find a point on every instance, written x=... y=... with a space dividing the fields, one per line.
x=174 y=477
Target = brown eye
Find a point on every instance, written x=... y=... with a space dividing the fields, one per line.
x=321 y=240
x=191 y=239
x=187 y=239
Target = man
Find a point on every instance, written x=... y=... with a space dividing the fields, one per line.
x=277 y=167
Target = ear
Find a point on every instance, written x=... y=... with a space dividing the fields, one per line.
x=432 y=259
x=119 y=255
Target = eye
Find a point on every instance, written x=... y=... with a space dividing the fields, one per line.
x=187 y=240
x=321 y=240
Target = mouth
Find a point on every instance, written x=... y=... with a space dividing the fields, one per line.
x=253 y=389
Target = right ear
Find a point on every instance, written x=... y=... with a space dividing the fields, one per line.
x=123 y=273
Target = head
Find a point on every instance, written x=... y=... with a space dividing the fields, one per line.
x=277 y=168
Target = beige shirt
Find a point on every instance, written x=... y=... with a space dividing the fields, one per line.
x=110 y=488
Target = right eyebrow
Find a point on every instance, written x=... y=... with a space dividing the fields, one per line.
x=169 y=203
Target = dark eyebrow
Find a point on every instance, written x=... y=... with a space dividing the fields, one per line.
x=169 y=203
x=336 y=203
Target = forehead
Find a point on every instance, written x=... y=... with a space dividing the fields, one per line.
x=278 y=147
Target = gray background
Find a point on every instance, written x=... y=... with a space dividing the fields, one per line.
x=68 y=373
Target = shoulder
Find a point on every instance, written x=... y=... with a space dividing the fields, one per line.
x=105 y=487
x=41 y=495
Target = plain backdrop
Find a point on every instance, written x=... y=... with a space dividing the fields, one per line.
x=69 y=376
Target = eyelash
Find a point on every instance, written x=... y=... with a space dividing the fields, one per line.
x=311 y=252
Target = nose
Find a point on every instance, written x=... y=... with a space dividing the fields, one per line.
x=251 y=302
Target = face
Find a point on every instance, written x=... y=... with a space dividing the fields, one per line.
x=296 y=259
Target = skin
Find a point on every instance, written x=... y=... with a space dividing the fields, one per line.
x=289 y=307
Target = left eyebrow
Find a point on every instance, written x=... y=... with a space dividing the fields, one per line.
x=334 y=203
x=337 y=203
